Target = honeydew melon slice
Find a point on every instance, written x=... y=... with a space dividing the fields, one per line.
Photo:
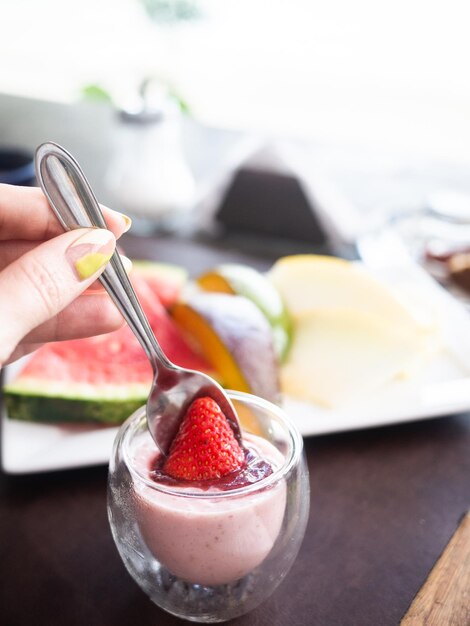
x=340 y=355
x=310 y=281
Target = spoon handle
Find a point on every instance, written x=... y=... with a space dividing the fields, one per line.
x=74 y=203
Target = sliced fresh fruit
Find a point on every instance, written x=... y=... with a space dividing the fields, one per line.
x=205 y=446
x=235 y=338
x=164 y=279
x=310 y=281
x=102 y=379
x=233 y=278
x=339 y=355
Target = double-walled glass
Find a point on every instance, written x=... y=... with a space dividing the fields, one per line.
x=207 y=555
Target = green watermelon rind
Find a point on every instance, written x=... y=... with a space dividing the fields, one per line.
x=23 y=401
x=47 y=409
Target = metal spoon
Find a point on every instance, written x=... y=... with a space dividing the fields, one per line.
x=173 y=388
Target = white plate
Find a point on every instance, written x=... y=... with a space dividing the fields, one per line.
x=442 y=387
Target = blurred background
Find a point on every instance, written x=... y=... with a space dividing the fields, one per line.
x=372 y=96
x=389 y=73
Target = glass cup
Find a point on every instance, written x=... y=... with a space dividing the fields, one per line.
x=207 y=555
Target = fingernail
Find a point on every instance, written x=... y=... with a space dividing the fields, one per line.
x=126 y=262
x=90 y=252
x=127 y=221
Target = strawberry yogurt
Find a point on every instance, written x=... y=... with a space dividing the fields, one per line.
x=209 y=536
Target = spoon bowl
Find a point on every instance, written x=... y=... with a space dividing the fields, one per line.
x=174 y=388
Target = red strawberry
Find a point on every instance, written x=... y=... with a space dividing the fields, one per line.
x=205 y=446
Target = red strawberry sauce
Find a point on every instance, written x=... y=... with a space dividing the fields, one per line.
x=254 y=469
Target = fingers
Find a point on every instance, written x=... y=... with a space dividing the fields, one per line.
x=42 y=282
x=90 y=314
x=25 y=214
x=22 y=350
x=12 y=250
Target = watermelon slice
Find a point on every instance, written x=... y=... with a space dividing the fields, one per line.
x=99 y=379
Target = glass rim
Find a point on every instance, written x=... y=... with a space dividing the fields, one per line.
x=295 y=439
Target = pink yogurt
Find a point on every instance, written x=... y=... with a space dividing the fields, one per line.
x=215 y=538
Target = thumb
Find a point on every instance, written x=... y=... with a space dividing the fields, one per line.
x=42 y=282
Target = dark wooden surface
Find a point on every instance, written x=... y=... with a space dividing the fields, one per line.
x=384 y=502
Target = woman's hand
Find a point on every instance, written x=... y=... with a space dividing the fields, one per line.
x=44 y=270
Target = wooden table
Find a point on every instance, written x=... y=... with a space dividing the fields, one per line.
x=384 y=504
